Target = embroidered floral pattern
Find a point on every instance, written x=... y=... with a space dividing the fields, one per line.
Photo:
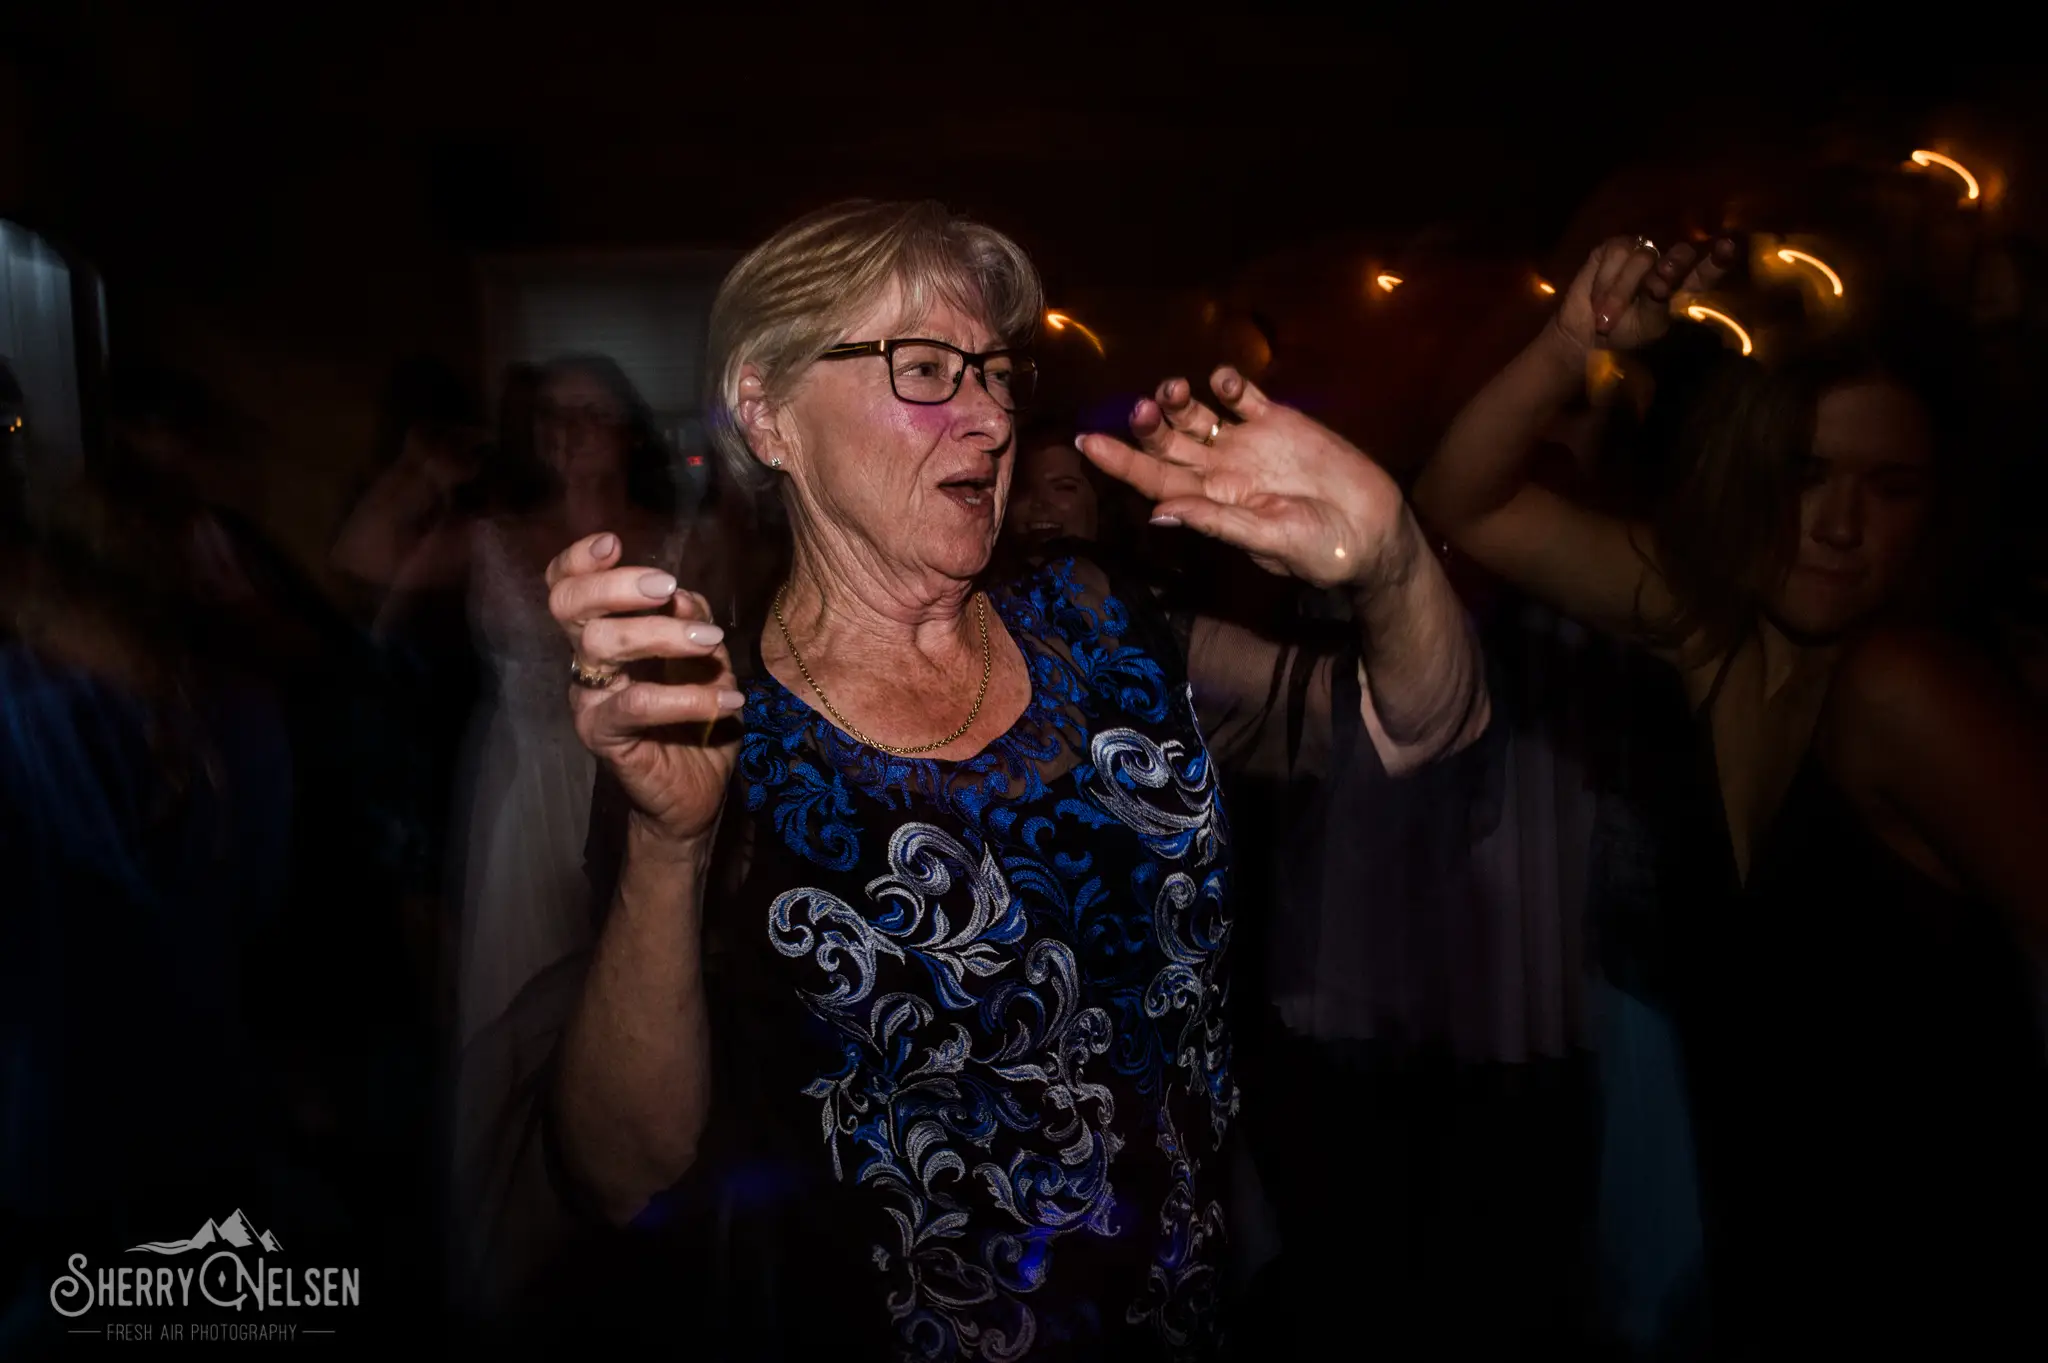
x=1018 y=958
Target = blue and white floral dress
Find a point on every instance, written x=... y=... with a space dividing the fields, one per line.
x=972 y=1078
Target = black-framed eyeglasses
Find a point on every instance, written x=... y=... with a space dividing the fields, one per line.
x=929 y=373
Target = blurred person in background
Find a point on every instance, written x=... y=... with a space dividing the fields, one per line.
x=1849 y=847
x=428 y=424
x=429 y=444
x=146 y=812
x=578 y=449
x=345 y=1014
x=173 y=451
x=1418 y=1071
x=1055 y=493
x=1060 y=503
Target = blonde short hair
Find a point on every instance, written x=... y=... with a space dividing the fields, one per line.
x=794 y=295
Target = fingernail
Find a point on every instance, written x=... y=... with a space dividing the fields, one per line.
x=1079 y=443
x=730 y=700
x=1137 y=409
x=1168 y=521
x=1603 y=320
x=657 y=585
x=603 y=545
x=704 y=634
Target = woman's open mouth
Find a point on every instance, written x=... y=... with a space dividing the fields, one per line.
x=973 y=492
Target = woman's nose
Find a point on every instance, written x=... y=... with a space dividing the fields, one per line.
x=978 y=407
x=1840 y=519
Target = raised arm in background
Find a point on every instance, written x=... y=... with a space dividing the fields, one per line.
x=1476 y=490
x=402 y=531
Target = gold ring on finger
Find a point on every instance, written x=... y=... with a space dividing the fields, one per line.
x=1645 y=244
x=591 y=678
x=1215 y=429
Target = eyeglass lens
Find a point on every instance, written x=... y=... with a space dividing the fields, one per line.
x=932 y=374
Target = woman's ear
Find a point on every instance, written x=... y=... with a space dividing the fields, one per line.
x=761 y=420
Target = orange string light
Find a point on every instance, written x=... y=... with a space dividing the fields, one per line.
x=1059 y=321
x=1701 y=314
x=1935 y=158
x=1792 y=257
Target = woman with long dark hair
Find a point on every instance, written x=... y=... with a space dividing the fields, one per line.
x=1849 y=856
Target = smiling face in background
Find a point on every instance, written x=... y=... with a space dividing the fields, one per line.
x=1052 y=497
x=917 y=490
x=1867 y=492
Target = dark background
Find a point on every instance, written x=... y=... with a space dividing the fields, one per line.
x=286 y=199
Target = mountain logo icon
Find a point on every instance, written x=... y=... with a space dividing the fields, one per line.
x=236 y=1230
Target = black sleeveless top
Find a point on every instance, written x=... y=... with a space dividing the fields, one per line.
x=971 y=1073
x=1869 y=1093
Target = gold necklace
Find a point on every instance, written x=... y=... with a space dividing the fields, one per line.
x=980 y=693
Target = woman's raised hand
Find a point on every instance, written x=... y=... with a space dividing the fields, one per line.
x=1289 y=491
x=1621 y=299
x=672 y=742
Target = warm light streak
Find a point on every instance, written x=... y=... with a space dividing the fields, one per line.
x=1603 y=371
x=1544 y=286
x=1059 y=321
x=1792 y=257
x=1935 y=158
x=1700 y=314
x=1389 y=282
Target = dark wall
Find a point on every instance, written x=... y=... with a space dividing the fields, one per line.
x=288 y=199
